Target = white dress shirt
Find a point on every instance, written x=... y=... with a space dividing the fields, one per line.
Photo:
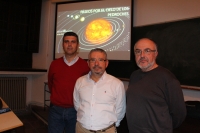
x=99 y=104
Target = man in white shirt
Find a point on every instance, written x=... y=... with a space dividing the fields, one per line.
x=99 y=98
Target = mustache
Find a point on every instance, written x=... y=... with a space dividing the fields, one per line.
x=96 y=66
x=142 y=59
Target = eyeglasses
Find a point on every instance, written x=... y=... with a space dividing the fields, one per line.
x=145 y=51
x=93 y=60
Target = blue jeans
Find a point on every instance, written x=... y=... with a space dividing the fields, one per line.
x=61 y=119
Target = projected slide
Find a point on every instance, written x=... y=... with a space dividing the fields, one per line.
x=108 y=28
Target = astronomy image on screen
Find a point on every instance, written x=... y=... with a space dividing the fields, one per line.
x=107 y=28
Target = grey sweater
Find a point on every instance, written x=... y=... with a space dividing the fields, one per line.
x=155 y=102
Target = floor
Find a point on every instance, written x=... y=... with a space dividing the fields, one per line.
x=35 y=121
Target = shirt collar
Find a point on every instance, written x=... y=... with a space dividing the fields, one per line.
x=72 y=62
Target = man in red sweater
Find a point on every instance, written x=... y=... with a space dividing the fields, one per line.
x=62 y=75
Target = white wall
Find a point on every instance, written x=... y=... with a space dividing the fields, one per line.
x=145 y=12
x=158 y=11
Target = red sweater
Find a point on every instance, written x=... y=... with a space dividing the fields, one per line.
x=61 y=80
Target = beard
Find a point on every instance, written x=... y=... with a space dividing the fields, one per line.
x=98 y=72
x=147 y=67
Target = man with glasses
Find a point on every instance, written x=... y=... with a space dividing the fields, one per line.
x=99 y=98
x=155 y=101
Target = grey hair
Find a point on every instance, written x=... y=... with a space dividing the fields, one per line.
x=97 y=50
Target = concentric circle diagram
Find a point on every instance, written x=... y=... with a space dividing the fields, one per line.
x=109 y=31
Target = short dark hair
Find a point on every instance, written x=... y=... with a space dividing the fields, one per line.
x=98 y=50
x=71 y=34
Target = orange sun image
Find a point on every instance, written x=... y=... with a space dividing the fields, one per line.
x=98 y=31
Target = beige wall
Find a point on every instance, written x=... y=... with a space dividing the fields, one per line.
x=145 y=12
